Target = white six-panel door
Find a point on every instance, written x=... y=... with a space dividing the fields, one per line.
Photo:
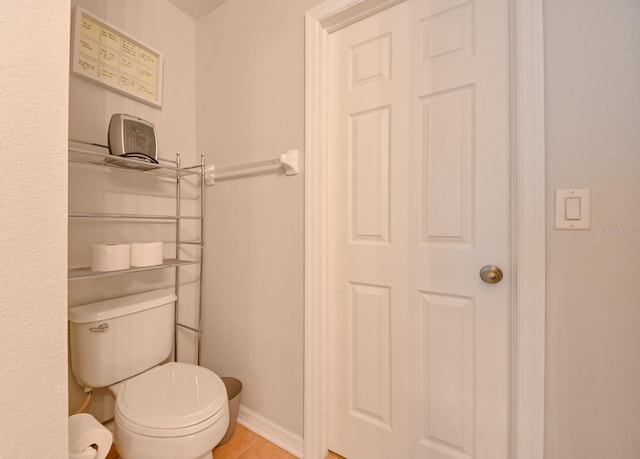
x=418 y=202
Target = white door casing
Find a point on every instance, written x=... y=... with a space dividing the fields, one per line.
x=528 y=230
x=418 y=201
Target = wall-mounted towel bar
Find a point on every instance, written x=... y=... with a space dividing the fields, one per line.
x=288 y=160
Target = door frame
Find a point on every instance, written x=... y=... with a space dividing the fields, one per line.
x=527 y=229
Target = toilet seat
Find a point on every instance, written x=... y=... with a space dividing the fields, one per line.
x=171 y=400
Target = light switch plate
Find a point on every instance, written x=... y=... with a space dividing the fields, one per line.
x=573 y=209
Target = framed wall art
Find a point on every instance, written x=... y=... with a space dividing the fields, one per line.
x=110 y=57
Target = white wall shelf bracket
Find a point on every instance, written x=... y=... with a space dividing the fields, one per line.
x=290 y=162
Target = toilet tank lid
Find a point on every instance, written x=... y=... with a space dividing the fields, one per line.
x=118 y=307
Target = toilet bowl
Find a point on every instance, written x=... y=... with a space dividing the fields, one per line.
x=171 y=411
x=176 y=410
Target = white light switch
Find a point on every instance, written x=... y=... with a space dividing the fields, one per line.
x=573 y=209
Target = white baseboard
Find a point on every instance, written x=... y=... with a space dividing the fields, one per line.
x=267 y=429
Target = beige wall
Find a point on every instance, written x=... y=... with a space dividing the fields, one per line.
x=593 y=297
x=250 y=106
x=250 y=83
x=163 y=27
x=33 y=206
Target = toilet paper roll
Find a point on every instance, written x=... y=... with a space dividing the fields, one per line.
x=109 y=257
x=146 y=253
x=87 y=434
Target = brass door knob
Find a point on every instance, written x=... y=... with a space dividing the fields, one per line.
x=491 y=274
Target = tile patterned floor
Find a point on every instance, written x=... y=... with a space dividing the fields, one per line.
x=246 y=445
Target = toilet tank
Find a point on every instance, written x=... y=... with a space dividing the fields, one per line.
x=115 y=339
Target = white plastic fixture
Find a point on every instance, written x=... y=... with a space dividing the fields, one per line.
x=288 y=160
x=573 y=209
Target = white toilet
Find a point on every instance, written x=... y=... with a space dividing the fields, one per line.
x=170 y=411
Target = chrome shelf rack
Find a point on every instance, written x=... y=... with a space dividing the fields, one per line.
x=166 y=169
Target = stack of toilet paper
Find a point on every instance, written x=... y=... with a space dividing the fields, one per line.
x=114 y=257
x=88 y=439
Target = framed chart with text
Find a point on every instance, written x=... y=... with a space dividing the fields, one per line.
x=107 y=55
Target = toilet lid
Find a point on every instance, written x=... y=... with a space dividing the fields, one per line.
x=172 y=396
